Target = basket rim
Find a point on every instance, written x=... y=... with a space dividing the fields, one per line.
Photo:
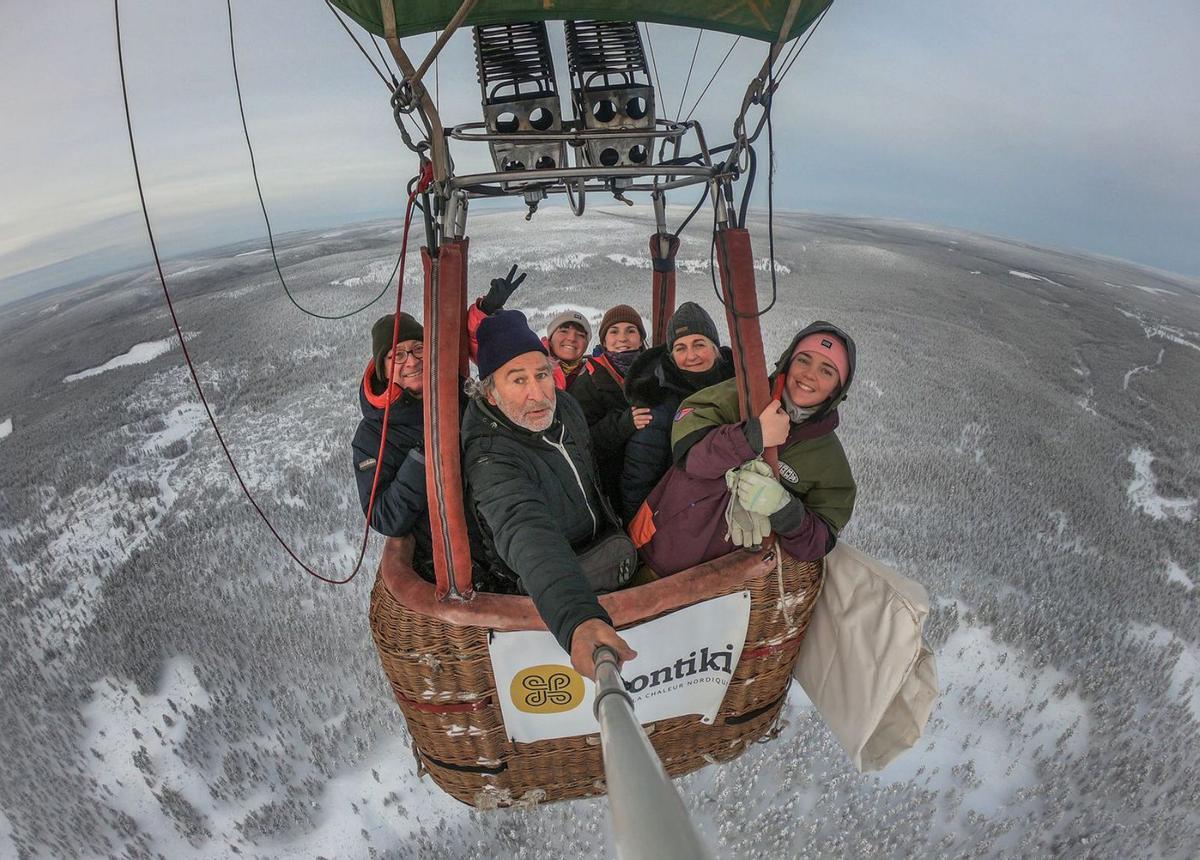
x=511 y=612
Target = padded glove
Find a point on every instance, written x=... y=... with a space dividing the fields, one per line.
x=758 y=490
x=501 y=289
x=745 y=529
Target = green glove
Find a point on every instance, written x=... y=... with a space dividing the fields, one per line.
x=746 y=529
x=758 y=491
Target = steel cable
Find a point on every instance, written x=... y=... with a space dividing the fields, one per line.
x=262 y=204
x=426 y=176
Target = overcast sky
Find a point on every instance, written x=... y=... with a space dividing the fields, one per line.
x=1071 y=124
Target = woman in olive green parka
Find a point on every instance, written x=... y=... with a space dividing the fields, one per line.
x=682 y=523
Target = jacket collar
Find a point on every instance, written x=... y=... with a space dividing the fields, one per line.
x=601 y=360
x=381 y=399
x=374 y=403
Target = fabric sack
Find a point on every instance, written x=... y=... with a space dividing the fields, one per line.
x=609 y=562
x=863 y=663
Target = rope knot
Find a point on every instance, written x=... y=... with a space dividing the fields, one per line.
x=425 y=178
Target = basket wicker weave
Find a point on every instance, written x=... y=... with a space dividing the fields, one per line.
x=440 y=671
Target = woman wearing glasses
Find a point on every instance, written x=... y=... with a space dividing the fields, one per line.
x=395 y=376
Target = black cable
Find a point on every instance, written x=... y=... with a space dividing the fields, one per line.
x=791 y=52
x=771 y=201
x=262 y=204
x=685 y=160
x=713 y=78
x=688 y=80
x=350 y=33
x=742 y=214
x=712 y=261
x=383 y=59
x=807 y=36
x=162 y=279
x=692 y=214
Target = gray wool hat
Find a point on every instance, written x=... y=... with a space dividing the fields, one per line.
x=689 y=318
x=572 y=317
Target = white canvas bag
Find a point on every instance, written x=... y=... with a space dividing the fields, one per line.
x=863 y=662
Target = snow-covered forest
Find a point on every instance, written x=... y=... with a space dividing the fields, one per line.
x=1023 y=429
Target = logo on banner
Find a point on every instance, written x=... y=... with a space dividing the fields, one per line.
x=686 y=660
x=547 y=689
x=706 y=667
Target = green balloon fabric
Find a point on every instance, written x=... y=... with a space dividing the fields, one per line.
x=754 y=19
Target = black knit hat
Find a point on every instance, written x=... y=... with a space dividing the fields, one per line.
x=689 y=319
x=621 y=314
x=381 y=338
x=502 y=337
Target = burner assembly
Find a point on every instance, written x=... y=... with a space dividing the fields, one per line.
x=612 y=133
x=611 y=90
x=520 y=96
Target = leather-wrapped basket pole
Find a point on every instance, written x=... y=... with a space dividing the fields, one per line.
x=445 y=327
x=663 y=247
x=736 y=263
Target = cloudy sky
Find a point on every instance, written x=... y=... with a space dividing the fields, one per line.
x=1072 y=124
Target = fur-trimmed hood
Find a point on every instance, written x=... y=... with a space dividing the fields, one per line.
x=654 y=377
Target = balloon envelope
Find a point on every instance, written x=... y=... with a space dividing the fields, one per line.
x=755 y=19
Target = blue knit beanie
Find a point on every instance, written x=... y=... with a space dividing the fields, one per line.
x=503 y=336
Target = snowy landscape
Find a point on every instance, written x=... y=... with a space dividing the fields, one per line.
x=1023 y=429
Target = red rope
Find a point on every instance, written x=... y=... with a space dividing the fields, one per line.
x=423 y=182
x=425 y=178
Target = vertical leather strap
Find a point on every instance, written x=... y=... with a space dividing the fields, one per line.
x=736 y=263
x=445 y=326
x=663 y=298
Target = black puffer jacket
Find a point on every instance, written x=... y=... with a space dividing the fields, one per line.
x=401 y=503
x=655 y=381
x=599 y=388
x=535 y=494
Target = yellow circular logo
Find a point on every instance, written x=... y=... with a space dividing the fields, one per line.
x=549 y=689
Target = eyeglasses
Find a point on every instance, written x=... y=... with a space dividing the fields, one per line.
x=399 y=356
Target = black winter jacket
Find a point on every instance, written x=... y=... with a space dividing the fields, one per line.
x=655 y=381
x=401 y=503
x=599 y=390
x=535 y=494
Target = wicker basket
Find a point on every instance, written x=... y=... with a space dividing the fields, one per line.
x=440 y=672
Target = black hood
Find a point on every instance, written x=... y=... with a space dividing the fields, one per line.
x=851 y=353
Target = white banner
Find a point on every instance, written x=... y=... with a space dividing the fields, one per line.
x=684 y=664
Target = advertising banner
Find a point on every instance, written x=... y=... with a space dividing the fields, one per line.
x=684 y=664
